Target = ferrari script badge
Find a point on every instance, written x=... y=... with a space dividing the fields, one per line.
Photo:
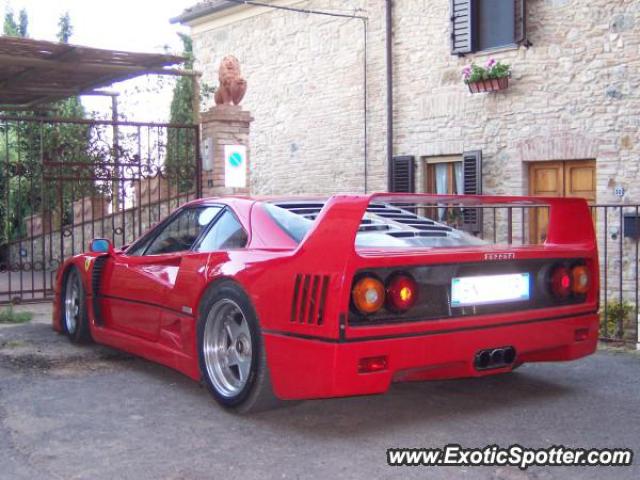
x=499 y=256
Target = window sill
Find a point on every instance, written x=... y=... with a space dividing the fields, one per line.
x=493 y=51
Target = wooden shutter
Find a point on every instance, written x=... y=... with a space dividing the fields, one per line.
x=461 y=26
x=403 y=175
x=472 y=185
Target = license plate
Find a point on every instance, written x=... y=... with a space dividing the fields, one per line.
x=488 y=289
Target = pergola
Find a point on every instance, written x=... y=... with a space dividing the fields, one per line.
x=34 y=73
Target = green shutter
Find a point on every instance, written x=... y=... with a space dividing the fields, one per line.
x=461 y=26
x=403 y=174
x=472 y=185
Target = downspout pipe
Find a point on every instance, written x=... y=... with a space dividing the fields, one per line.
x=389 y=53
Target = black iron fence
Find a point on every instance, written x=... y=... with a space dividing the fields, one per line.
x=64 y=182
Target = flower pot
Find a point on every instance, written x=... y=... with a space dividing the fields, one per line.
x=490 y=85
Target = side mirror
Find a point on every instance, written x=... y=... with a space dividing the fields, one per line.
x=101 y=245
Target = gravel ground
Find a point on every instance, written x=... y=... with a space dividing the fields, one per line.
x=92 y=413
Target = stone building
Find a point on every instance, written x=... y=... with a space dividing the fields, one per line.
x=567 y=124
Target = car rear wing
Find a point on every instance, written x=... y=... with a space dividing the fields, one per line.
x=338 y=223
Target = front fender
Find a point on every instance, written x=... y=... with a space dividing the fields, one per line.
x=84 y=263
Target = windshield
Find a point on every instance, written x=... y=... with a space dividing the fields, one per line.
x=382 y=226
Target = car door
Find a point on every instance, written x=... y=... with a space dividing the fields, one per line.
x=211 y=250
x=137 y=289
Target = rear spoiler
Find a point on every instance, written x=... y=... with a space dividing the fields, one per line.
x=336 y=227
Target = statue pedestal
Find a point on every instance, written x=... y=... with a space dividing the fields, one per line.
x=221 y=126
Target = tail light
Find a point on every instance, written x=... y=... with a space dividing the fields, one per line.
x=372 y=364
x=402 y=293
x=567 y=281
x=368 y=295
x=561 y=282
x=580 y=280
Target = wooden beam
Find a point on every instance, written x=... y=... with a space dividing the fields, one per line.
x=22 y=108
x=89 y=67
x=28 y=71
x=33 y=90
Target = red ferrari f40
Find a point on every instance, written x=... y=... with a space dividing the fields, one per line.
x=268 y=300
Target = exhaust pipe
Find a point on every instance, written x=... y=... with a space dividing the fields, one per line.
x=494 y=358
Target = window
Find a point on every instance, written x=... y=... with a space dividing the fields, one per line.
x=444 y=177
x=456 y=175
x=495 y=26
x=478 y=25
x=181 y=232
x=388 y=232
x=226 y=234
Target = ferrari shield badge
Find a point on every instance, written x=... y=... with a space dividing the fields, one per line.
x=87 y=263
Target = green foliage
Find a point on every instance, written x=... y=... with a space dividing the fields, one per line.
x=65 y=29
x=178 y=154
x=23 y=23
x=10 y=27
x=26 y=146
x=618 y=319
x=492 y=69
x=9 y=315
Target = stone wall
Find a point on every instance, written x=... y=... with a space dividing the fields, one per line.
x=305 y=90
x=573 y=93
x=45 y=250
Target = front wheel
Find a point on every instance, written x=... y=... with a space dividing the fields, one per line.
x=231 y=351
x=74 y=312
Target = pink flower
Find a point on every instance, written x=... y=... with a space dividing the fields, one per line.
x=491 y=63
x=466 y=71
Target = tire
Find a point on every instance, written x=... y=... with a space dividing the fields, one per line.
x=231 y=351
x=75 y=320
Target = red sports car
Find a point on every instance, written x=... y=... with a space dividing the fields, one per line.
x=285 y=299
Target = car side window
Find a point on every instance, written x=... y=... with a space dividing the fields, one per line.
x=181 y=233
x=226 y=234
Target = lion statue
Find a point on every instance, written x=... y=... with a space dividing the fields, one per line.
x=232 y=86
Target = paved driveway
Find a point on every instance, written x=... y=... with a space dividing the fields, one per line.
x=90 y=412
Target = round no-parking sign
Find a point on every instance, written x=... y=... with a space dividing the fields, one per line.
x=235 y=166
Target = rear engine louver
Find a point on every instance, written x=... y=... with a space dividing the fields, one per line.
x=309 y=298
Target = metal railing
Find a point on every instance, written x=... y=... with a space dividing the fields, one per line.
x=617 y=230
x=63 y=182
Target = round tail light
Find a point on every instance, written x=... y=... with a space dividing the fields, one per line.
x=580 y=280
x=561 y=282
x=368 y=295
x=402 y=293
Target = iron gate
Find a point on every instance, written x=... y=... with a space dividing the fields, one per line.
x=64 y=182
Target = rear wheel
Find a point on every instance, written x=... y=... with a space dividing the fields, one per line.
x=74 y=313
x=231 y=351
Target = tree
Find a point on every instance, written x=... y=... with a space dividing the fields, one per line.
x=23 y=24
x=179 y=141
x=65 y=29
x=31 y=145
x=10 y=27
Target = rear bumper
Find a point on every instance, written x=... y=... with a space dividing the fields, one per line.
x=319 y=368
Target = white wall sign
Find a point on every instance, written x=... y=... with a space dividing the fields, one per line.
x=235 y=166
x=207 y=154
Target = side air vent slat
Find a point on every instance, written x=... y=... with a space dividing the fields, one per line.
x=401 y=234
x=96 y=278
x=309 y=298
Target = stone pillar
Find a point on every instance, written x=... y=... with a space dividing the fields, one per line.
x=223 y=125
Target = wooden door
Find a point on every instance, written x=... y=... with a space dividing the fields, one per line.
x=558 y=179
